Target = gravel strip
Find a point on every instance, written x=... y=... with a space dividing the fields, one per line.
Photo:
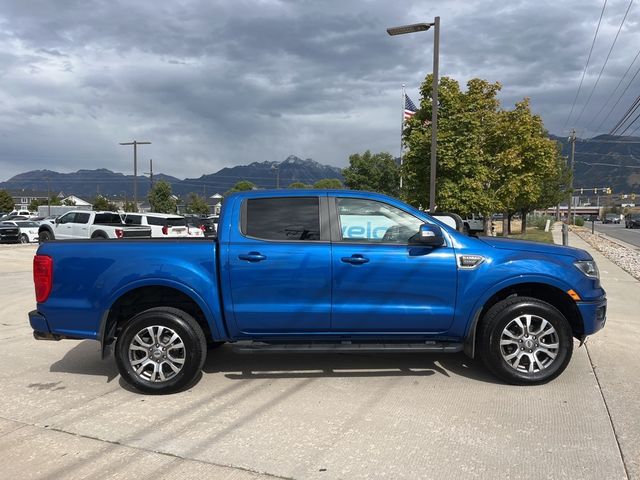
x=625 y=258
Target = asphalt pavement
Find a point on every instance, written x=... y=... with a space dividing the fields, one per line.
x=617 y=231
x=64 y=412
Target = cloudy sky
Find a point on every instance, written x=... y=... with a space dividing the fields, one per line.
x=220 y=83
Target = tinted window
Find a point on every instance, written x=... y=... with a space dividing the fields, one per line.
x=133 y=220
x=295 y=218
x=107 y=218
x=155 y=221
x=175 y=222
x=67 y=218
x=372 y=221
x=82 y=218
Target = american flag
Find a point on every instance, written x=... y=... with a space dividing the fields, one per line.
x=409 y=107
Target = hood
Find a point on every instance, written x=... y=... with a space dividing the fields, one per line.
x=537 y=247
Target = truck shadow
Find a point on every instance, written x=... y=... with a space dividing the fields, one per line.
x=243 y=366
x=84 y=359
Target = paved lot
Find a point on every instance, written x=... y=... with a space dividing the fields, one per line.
x=65 y=414
x=616 y=230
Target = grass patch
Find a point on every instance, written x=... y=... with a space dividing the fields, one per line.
x=534 y=234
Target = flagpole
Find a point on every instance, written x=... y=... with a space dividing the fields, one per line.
x=401 y=132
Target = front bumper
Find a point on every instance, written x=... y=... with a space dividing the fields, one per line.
x=594 y=315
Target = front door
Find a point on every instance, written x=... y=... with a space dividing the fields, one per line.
x=381 y=281
x=63 y=227
x=279 y=266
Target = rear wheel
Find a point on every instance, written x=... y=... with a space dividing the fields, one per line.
x=45 y=236
x=525 y=341
x=24 y=238
x=161 y=350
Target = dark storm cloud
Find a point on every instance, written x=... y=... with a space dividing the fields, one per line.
x=213 y=84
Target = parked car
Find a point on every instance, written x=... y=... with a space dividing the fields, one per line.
x=162 y=224
x=28 y=230
x=320 y=271
x=22 y=213
x=473 y=223
x=87 y=224
x=611 y=218
x=201 y=226
x=9 y=233
x=632 y=220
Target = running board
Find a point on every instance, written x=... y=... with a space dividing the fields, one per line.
x=346 y=347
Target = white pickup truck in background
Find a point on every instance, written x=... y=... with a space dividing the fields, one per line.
x=84 y=224
x=473 y=223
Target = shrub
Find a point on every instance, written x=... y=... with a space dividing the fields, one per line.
x=579 y=222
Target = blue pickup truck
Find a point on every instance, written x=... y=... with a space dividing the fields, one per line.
x=317 y=271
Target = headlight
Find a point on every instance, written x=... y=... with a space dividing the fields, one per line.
x=589 y=268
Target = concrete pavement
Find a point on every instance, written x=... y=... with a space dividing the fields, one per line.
x=614 y=354
x=65 y=414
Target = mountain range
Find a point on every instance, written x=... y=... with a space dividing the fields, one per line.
x=88 y=183
x=605 y=161
x=600 y=162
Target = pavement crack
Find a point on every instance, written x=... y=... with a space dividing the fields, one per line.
x=606 y=406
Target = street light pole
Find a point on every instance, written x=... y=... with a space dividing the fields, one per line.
x=434 y=115
x=421 y=27
x=135 y=144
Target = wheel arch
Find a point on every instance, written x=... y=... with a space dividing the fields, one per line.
x=551 y=294
x=133 y=300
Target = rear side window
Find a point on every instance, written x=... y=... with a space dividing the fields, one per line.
x=82 y=217
x=107 y=218
x=133 y=220
x=284 y=219
x=155 y=221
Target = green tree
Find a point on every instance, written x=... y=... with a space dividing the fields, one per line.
x=489 y=159
x=376 y=172
x=35 y=203
x=55 y=200
x=329 y=183
x=6 y=201
x=299 y=185
x=241 y=186
x=129 y=207
x=69 y=202
x=196 y=204
x=161 y=199
x=100 y=204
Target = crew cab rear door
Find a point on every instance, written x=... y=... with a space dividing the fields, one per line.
x=381 y=281
x=279 y=265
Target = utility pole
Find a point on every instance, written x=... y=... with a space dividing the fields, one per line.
x=572 y=139
x=135 y=144
x=48 y=196
x=150 y=173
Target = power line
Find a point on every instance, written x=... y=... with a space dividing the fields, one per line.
x=630 y=111
x=605 y=62
x=614 y=91
x=631 y=123
x=619 y=98
x=586 y=65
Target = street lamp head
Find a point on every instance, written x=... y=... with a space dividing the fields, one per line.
x=415 y=27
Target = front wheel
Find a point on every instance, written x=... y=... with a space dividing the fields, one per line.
x=525 y=341
x=161 y=350
x=24 y=239
x=45 y=236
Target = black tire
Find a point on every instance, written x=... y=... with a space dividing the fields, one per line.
x=24 y=238
x=465 y=229
x=99 y=236
x=45 y=236
x=192 y=354
x=504 y=316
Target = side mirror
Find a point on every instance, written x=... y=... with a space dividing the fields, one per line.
x=57 y=220
x=430 y=235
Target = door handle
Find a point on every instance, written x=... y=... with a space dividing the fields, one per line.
x=252 y=257
x=356 y=259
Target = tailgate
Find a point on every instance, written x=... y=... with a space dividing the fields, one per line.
x=136 y=232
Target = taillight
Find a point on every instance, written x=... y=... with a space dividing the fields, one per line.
x=165 y=230
x=202 y=227
x=42 y=277
x=119 y=233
